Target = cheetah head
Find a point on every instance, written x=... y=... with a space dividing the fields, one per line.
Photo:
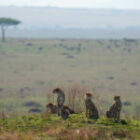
x=116 y=98
x=49 y=105
x=57 y=91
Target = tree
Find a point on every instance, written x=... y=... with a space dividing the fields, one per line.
x=5 y=23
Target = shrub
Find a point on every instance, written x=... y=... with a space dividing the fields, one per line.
x=75 y=96
x=1 y=89
x=70 y=56
x=41 y=48
x=127 y=103
x=110 y=78
x=29 y=44
x=34 y=110
x=31 y=104
x=133 y=84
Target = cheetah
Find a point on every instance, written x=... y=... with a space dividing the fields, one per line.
x=71 y=111
x=60 y=99
x=91 y=110
x=52 y=108
x=65 y=112
x=115 y=109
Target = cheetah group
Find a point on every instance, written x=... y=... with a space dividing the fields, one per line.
x=91 y=110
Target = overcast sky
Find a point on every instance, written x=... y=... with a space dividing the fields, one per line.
x=120 y=4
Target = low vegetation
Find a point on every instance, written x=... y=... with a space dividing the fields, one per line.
x=77 y=127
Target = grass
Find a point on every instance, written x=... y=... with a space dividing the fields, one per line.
x=31 y=68
x=77 y=127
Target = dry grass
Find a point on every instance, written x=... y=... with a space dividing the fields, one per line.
x=95 y=134
x=17 y=136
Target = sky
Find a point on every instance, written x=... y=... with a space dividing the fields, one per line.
x=117 y=4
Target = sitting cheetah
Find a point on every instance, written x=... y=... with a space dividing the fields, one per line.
x=52 y=108
x=91 y=110
x=115 y=109
x=65 y=112
x=60 y=99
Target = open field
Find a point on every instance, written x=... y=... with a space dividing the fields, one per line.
x=30 y=69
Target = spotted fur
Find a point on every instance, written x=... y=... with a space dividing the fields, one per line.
x=60 y=99
x=52 y=108
x=91 y=110
x=115 y=109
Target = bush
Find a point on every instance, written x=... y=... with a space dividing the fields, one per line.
x=69 y=56
x=1 y=89
x=123 y=122
x=110 y=78
x=29 y=44
x=34 y=110
x=41 y=48
x=32 y=104
x=133 y=84
x=127 y=103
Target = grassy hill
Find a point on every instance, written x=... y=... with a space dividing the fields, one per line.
x=77 y=127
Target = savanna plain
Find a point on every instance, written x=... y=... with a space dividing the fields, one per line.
x=31 y=68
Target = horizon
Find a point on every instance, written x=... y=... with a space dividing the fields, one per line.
x=92 y=22
x=86 y=8
x=88 y=4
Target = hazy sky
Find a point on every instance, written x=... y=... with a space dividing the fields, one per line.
x=121 y=4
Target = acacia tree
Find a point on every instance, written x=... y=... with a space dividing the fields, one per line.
x=5 y=23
